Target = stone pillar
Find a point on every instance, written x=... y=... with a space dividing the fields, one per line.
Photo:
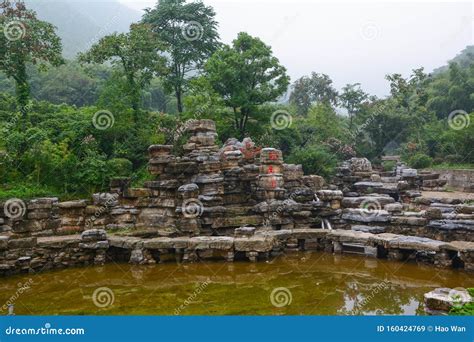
x=95 y=240
x=160 y=156
x=337 y=247
x=270 y=179
x=189 y=209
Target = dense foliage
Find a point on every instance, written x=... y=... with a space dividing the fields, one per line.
x=150 y=80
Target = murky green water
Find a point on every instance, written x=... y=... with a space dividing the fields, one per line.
x=302 y=284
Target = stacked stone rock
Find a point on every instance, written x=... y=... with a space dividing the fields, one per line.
x=235 y=199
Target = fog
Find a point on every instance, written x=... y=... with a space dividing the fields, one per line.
x=350 y=41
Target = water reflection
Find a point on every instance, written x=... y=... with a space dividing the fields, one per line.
x=318 y=283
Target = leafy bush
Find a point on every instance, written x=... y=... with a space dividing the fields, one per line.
x=119 y=167
x=389 y=165
x=315 y=160
x=420 y=161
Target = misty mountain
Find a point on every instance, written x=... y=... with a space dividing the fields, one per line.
x=465 y=58
x=81 y=23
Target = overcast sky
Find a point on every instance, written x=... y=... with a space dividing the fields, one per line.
x=350 y=41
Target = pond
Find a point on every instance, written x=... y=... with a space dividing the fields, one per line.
x=294 y=284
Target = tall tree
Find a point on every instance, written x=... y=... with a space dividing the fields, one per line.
x=190 y=31
x=409 y=91
x=137 y=53
x=352 y=98
x=25 y=39
x=310 y=89
x=246 y=75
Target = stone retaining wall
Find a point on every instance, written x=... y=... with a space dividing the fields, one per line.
x=220 y=192
x=94 y=247
x=460 y=179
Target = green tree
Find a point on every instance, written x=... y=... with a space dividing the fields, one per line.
x=409 y=92
x=246 y=75
x=137 y=53
x=190 y=32
x=310 y=89
x=25 y=39
x=352 y=98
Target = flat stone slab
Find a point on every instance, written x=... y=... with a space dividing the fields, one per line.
x=366 y=216
x=254 y=244
x=278 y=234
x=158 y=243
x=460 y=246
x=360 y=202
x=416 y=243
x=383 y=238
x=409 y=220
x=58 y=241
x=127 y=242
x=452 y=224
x=368 y=229
x=309 y=233
x=211 y=242
x=349 y=236
x=72 y=204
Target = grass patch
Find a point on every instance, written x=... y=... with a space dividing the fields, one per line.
x=29 y=191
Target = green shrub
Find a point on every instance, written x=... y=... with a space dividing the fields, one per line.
x=315 y=160
x=420 y=161
x=389 y=165
x=119 y=167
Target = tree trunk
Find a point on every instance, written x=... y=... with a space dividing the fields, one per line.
x=22 y=92
x=179 y=101
x=135 y=97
